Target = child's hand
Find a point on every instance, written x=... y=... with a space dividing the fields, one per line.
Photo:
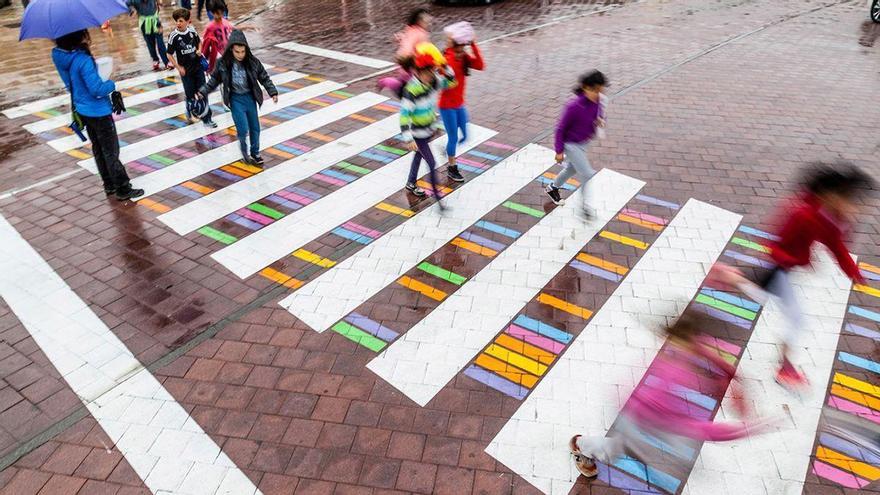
x=275 y=99
x=181 y=70
x=600 y=122
x=412 y=146
x=199 y=95
x=559 y=157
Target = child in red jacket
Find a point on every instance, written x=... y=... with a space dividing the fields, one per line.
x=451 y=104
x=822 y=213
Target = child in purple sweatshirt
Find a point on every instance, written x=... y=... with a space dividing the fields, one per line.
x=581 y=117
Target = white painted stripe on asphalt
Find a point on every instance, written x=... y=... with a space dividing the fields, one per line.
x=159 y=439
x=130 y=101
x=336 y=55
x=177 y=137
x=64 y=98
x=432 y=352
x=279 y=239
x=67 y=143
x=190 y=168
x=586 y=388
x=206 y=209
x=778 y=462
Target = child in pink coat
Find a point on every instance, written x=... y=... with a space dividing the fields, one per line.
x=415 y=33
x=658 y=411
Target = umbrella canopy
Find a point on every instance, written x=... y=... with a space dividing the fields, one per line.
x=55 y=18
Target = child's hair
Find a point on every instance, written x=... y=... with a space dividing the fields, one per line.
x=180 y=14
x=77 y=40
x=218 y=6
x=841 y=178
x=415 y=16
x=590 y=80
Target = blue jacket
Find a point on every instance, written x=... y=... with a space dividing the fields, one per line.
x=91 y=94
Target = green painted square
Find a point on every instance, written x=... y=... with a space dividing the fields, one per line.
x=358 y=336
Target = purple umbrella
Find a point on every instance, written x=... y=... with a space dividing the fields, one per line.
x=55 y=18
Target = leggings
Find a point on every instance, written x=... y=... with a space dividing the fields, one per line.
x=578 y=164
x=424 y=152
x=454 y=120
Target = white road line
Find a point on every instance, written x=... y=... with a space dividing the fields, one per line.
x=130 y=101
x=177 y=137
x=64 y=98
x=165 y=446
x=586 y=388
x=778 y=462
x=277 y=240
x=205 y=210
x=190 y=168
x=67 y=143
x=336 y=55
x=432 y=352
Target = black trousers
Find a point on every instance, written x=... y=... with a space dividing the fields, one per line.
x=105 y=148
x=192 y=81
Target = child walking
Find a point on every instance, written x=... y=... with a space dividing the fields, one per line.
x=241 y=75
x=151 y=29
x=657 y=411
x=580 y=119
x=822 y=212
x=216 y=35
x=452 y=109
x=183 y=44
x=415 y=33
x=418 y=118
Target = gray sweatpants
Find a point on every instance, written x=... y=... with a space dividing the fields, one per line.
x=576 y=163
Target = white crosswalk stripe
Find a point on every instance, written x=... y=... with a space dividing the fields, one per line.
x=281 y=238
x=191 y=168
x=67 y=143
x=176 y=137
x=64 y=98
x=435 y=349
x=336 y=55
x=164 y=445
x=205 y=210
x=587 y=386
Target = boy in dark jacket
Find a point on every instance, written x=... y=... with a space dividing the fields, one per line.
x=241 y=74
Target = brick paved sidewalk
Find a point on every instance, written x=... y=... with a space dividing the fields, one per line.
x=297 y=410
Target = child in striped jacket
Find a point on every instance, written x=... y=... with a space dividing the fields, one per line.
x=418 y=116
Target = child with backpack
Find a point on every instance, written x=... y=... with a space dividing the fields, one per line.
x=240 y=73
x=418 y=118
x=451 y=104
x=183 y=44
x=415 y=33
x=216 y=35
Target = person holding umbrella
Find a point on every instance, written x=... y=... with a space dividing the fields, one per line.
x=93 y=99
x=90 y=96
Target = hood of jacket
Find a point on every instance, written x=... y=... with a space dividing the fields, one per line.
x=236 y=37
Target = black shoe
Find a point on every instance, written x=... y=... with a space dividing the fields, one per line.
x=416 y=190
x=210 y=123
x=129 y=193
x=553 y=192
x=109 y=191
x=258 y=159
x=453 y=173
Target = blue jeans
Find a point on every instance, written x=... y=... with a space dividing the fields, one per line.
x=186 y=4
x=153 y=41
x=454 y=119
x=247 y=121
